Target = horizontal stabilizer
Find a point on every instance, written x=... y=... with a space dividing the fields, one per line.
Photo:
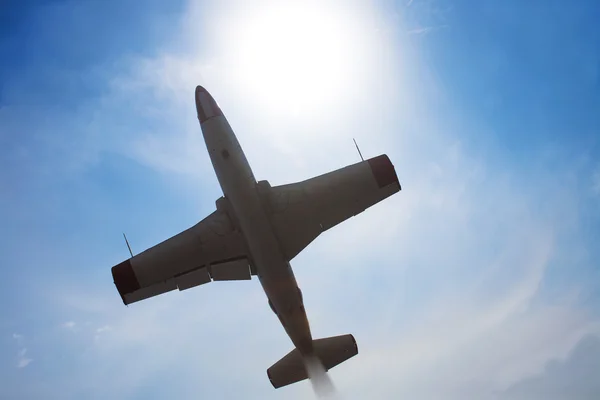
x=330 y=351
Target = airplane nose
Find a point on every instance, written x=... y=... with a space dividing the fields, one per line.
x=199 y=89
x=206 y=106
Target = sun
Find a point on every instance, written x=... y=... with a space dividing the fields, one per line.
x=296 y=56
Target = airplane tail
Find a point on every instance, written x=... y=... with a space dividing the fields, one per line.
x=328 y=353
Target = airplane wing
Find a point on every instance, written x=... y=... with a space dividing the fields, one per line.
x=210 y=250
x=299 y=212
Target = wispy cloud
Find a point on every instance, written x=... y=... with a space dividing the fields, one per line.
x=22 y=359
x=574 y=376
x=69 y=325
x=103 y=329
x=100 y=331
x=425 y=30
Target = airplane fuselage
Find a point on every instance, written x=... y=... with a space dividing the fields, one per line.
x=240 y=189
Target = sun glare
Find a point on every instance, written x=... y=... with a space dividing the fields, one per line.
x=299 y=57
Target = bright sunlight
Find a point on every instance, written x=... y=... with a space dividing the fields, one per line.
x=299 y=57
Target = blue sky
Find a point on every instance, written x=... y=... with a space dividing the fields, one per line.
x=480 y=279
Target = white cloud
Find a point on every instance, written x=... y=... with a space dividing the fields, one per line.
x=103 y=329
x=425 y=30
x=22 y=360
x=573 y=377
x=418 y=31
x=69 y=325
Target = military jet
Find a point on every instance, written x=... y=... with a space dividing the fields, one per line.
x=256 y=230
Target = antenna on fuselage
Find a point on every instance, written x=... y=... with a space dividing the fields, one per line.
x=359 y=153
x=128 y=246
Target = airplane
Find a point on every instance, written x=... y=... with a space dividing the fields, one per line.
x=256 y=230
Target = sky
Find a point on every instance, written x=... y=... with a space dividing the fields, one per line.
x=478 y=280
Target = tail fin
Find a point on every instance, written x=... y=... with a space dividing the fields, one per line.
x=330 y=351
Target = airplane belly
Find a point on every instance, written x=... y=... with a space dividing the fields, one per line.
x=274 y=271
x=262 y=243
x=240 y=188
